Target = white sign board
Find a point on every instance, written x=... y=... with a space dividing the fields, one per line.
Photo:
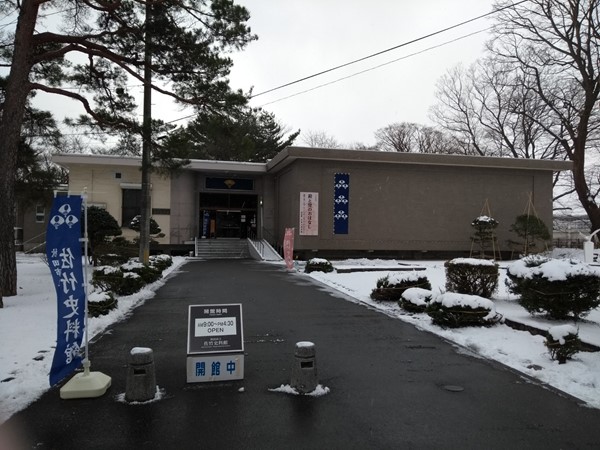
x=309 y=213
x=207 y=368
x=215 y=329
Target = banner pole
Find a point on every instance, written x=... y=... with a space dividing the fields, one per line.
x=87 y=384
x=86 y=360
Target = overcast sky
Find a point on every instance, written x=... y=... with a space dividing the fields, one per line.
x=299 y=38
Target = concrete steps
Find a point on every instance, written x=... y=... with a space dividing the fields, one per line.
x=222 y=248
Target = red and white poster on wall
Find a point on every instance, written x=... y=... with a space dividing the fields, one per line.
x=288 y=248
x=309 y=213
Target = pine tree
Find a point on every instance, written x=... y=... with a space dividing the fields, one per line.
x=190 y=39
x=246 y=134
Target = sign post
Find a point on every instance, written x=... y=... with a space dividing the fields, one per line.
x=215 y=345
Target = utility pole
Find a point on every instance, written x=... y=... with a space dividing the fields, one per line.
x=145 y=202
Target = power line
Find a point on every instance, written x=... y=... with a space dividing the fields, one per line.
x=371 y=56
x=376 y=67
x=404 y=44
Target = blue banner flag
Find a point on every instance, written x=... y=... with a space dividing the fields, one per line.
x=63 y=248
x=341 y=203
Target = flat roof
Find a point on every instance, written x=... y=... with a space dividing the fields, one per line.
x=68 y=159
x=291 y=154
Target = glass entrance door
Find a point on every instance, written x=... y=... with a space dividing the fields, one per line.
x=228 y=224
x=227 y=215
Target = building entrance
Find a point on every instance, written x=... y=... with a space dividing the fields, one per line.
x=227 y=215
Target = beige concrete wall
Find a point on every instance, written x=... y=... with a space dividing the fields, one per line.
x=184 y=207
x=410 y=207
x=105 y=189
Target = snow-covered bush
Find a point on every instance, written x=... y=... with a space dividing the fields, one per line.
x=113 y=279
x=131 y=283
x=161 y=262
x=563 y=342
x=483 y=235
x=104 y=278
x=472 y=276
x=148 y=273
x=101 y=303
x=318 y=265
x=558 y=288
x=460 y=310
x=415 y=299
x=391 y=287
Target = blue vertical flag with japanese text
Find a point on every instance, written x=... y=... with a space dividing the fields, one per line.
x=341 y=203
x=63 y=248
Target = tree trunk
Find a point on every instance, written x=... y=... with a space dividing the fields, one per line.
x=17 y=89
x=582 y=188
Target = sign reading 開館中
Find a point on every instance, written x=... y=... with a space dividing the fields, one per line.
x=215 y=343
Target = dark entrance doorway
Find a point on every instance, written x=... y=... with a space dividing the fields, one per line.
x=227 y=215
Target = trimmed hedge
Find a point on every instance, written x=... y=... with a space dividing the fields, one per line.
x=113 y=279
x=318 y=265
x=147 y=273
x=392 y=286
x=415 y=299
x=558 y=288
x=461 y=310
x=472 y=276
x=101 y=307
x=161 y=262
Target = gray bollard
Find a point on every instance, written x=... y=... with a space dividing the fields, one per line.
x=141 y=378
x=304 y=370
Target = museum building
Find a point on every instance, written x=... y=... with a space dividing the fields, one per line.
x=340 y=203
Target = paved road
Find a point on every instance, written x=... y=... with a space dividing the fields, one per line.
x=387 y=381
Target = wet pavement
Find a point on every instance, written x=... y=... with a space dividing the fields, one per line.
x=391 y=386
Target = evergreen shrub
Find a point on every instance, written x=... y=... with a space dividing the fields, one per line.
x=115 y=252
x=532 y=230
x=392 y=286
x=563 y=342
x=455 y=310
x=318 y=265
x=110 y=259
x=557 y=288
x=148 y=273
x=101 y=303
x=113 y=279
x=484 y=235
x=132 y=283
x=105 y=278
x=472 y=276
x=415 y=299
x=161 y=262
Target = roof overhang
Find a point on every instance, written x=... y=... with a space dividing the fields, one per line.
x=227 y=167
x=290 y=154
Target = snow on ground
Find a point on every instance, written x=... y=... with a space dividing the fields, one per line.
x=28 y=329
x=520 y=350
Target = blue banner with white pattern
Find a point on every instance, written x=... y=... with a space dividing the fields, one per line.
x=341 y=203
x=63 y=249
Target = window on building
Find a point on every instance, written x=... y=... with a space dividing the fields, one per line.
x=132 y=205
x=40 y=214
